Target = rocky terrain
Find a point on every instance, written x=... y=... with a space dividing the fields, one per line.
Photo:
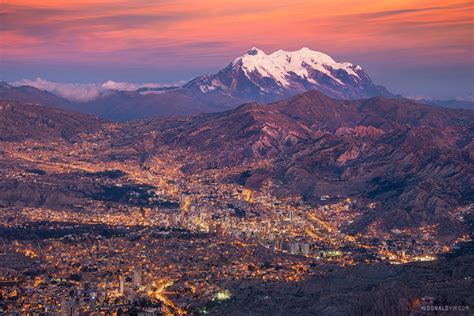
x=20 y=121
x=455 y=104
x=415 y=161
x=266 y=78
x=29 y=94
x=396 y=173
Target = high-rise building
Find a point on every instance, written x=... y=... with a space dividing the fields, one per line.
x=278 y=244
x=304 y=249
x=68 y=307
x=293 y=248
x=185 y=202
x=121 y=285
x=248 y=195
x=291 y=215
x=145 y=212
x=137 y=277
x=219 y=228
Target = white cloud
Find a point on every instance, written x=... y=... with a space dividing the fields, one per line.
x=71 y=91
x=84 y=92
x=419 y=97
x=468 y=98
x=127 y=86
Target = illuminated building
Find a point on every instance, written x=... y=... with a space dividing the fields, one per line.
x=137 y=277
x=68 y=307
x=122 y=285
x=292 y=215
x=248 y=195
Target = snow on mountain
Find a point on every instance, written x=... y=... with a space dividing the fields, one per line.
x=280 y=64
x=258 y=76
x=254 y=76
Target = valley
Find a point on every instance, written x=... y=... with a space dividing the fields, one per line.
x=162 y=214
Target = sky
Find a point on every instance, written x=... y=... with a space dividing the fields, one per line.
x=419 y=48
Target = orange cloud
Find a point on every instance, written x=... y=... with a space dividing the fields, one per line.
x=147 y=32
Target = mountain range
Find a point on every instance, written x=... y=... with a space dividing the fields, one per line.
x=252 y=77
x=255 y=76
x=324 y=126
x=266 y=78
x=24 y=121
x=416 y=160
x=413 y=161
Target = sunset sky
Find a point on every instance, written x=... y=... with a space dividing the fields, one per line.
x=417 y=48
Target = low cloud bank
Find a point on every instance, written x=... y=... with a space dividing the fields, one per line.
x=83 y=92
x=468 y=98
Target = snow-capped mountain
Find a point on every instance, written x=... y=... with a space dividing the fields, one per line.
x=255 y=76
x=260 y=77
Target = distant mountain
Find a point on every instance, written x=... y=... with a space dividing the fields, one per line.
x=119 y=106
x=31 y=95
x=132 y=105
x=254 y=76
x=266 y=78
x=414 y=160
x=20 y=121
x=454 y=104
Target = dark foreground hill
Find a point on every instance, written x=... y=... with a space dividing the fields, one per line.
x=361 y=290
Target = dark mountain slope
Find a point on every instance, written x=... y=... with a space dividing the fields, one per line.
x=415 y=160
x=27 y=94
x=20 y=121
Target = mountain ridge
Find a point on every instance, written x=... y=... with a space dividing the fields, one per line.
x=281 y=74
x=414 y=161
x=20 y=121
x=254 y=76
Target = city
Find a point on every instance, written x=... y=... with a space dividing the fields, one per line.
x=241 y=158
x=172 y=246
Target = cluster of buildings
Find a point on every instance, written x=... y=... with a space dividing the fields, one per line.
x=175 y=257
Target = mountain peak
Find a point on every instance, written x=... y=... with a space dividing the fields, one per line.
x=4 y=85
x=281 y=65
x=255 y=51
x=267 y=77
